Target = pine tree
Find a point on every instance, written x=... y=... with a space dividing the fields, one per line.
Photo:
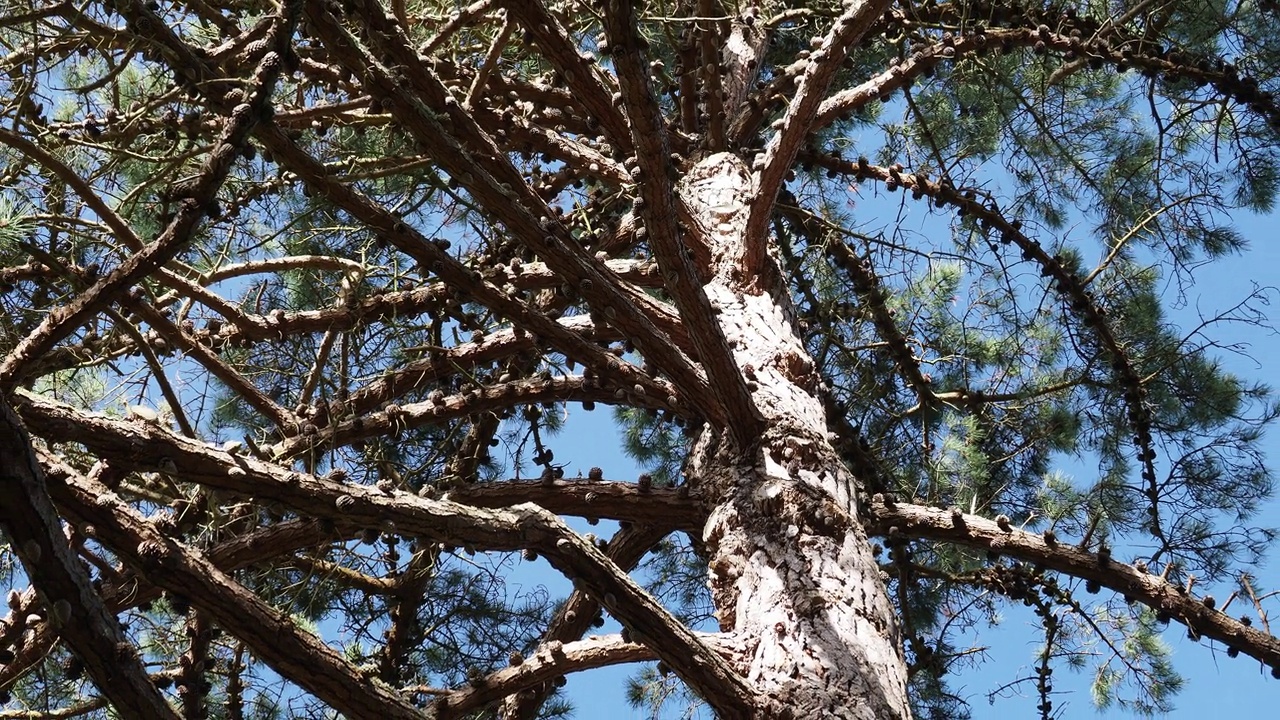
x=299 y=295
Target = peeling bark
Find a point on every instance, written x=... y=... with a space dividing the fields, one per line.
x=791 y=570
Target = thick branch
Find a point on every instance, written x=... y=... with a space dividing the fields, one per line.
x=666 y=508
x=82 y=619
x=626 y=548
x=659 y=209
x=296 y=654
x=524 y=526
x=710 y=675
x=118 y=593
x=581 y=73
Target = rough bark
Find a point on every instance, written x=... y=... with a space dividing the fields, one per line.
x=32 y=525
x=791 y=570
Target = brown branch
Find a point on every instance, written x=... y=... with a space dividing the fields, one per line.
x=1107 y=46
x=873 y=296
x=743 y=53
x=1169 y=600
x=113 y=220
x=193 y=673
x=664 y=508
x=1062 y=279
x=455 y=23
x=216 y=366
x=188 y=64
x=589 y=85
x=490 y=59
x=35 y=13
x=708 y=674
x=441 y=362
x=523 y=526
x=547 y=665
x=130 y=591
x=660 y=210
x=272 y=635
x=79 y=709
x=382 y=305
x=577 y=614
x=158 y=373
x=465 y=464
x=711 y=86
x=797 y=122
x=62 y=582
x=267 y=266
x=687 y=71
x=440 y=408
x=455 y=274
x=138 y=447
x=343 y=575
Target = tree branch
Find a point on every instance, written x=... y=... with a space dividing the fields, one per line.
x=660 y=210
x=1173 y=601
x=581 y=72
x=62 y=582
x=272 y=635
x=797 y=122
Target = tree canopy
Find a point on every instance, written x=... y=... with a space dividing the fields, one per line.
x=299 y=295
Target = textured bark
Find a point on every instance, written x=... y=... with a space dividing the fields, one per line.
x=32 y=525
x=791 y=570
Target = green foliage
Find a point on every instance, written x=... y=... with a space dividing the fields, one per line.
x=654 y=689
x=1154 y=683
x=657 y=445
x=16 y=225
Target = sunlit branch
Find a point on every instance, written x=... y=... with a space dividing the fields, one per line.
x=486 y=68
x=460 y=19
x=658 y=206
x=128 y=590
x=663 y=508
x=797 y=122
x=219 y=368
x=296 y=654
x=1169 y=600
x=1059 y=276
x=578 y=614
x=581 y=73
x=439 y=408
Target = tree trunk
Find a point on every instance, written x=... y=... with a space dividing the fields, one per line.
x=791 y=569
